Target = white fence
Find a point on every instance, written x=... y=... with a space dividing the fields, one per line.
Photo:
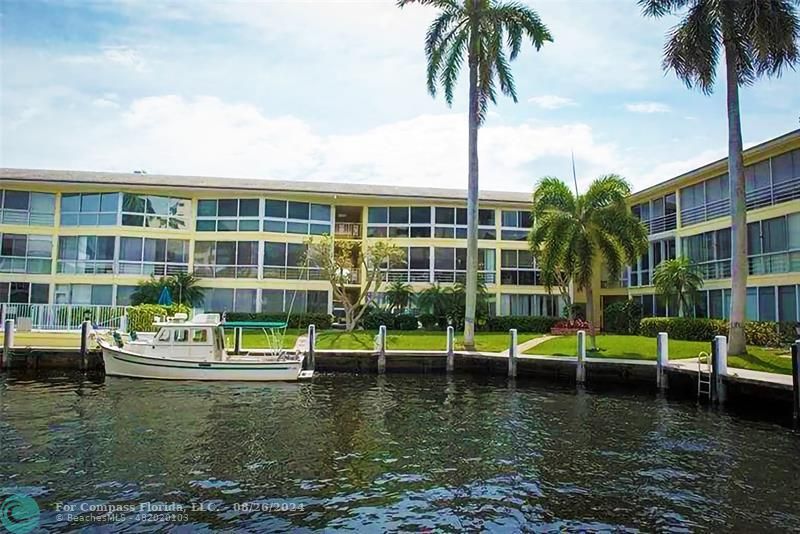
x=64 y=316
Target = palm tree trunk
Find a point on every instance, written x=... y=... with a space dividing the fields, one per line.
x=590 y=315
x=472 y=208
x=736 y=337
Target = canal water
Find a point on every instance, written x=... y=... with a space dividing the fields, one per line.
x=400 y=452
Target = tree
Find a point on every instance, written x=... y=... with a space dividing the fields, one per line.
x=757 y=37
x=182 y=287
x=342 y=264
x=489 y=33
x=678 y=279
x=399 y=295
x=574 y=233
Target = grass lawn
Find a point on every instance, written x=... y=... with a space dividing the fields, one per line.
x=644 y=348
x=363 y=340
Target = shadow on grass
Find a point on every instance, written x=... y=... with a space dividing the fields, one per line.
x=350 y=340
x=760 y=363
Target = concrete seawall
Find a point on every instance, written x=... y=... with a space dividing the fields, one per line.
x=640 y=374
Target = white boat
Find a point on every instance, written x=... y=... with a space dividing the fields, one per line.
x=195 y=350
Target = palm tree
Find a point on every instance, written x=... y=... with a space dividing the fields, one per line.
x=490 y=33
x=399 y=295
x=757 y=37
x=573 y=233
x=678 y=278
x=182 y=286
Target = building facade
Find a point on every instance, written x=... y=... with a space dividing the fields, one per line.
x=88 y=238
x=690 y=216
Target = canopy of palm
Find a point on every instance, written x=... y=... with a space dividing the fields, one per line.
x=575 y=233
x=758 y=37
x=678 y=279
x=488 y=34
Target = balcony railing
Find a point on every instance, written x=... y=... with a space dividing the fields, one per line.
x=487 y=277
x=24 y=217
x=152 y=268
x=226 y=271
x=20 y=264
x=711 y=210
x=347 y=230
x=86 y=267
x=775 y=262
x=713 y=270
x=664 y=223
x=292 y=273
x=405 y=275
x=65 y=316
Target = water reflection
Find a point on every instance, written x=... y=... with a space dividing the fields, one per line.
x=396 y=452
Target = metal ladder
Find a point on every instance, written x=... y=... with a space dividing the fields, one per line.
x=704 y=375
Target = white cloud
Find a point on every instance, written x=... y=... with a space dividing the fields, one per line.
x=123 y=56
x=551 y=101
x=648 y=107
x=207 y=136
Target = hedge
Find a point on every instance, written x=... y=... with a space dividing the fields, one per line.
x=140 y=318
x=523 y=323
x=622 y=317
x=322 y=321
x=406 y=321
x=760 y=333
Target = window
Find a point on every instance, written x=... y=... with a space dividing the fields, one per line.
x=180 y=335
x=86 y=254
x=200 y=336
x=450 y=264
x=536 y=305
x=150 y=211
x=24 y=293
x=414 y=266
x=515 y=225
x=89 y=209
x=237 y=300
x=297 y=217
x=226 y=259
x=787 y=303
x=124 y=294
x=20 y=253
x=711 y=251
x=27 y=208
x=773 y=245
x=284 y=300
x=159 y=257
x=228 y=215
x=517 y=267
x=84 y=294
x=399 y=221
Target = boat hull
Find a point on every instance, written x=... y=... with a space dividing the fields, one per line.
x=124 y=363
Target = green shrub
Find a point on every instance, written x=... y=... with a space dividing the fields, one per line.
x=428 y=321
x=622 y=317
x=322 y=321
x=140 y=318
x=406 y=321
x=686 y=328
x=759 y=333
x=376 y=317
x=523 y=323
x=787 y=332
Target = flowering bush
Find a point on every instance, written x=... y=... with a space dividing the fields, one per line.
x=571 y=326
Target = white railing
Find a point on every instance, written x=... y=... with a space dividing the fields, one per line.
x=775 y=262
x=27 y=218
x=292 y=273
x=487 y=277
x=661 y=224
x=226 y=271
x=152 y=268
x=65 y=316
x=348 y=230
x=23 y=264
x=86 y=267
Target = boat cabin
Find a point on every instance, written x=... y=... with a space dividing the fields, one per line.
x=202 y=338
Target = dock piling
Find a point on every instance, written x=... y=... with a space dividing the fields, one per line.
x=719 y=369
x=312 y=340
x=8 y=343
x=382 y=349
x=796 y=380
x=450 y=348
x=662 y=359
x=85 y=329
x=512 y=354
x=580 y=370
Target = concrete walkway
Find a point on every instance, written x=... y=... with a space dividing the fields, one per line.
x=522 y=347
x=690 y=365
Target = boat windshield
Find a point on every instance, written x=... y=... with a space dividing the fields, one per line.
x=219 y=338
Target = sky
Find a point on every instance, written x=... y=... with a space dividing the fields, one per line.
x=334 y=91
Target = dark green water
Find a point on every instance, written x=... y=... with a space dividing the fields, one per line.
x=398 y=453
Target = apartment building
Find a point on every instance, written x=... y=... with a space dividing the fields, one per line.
x=89 y=238
x=689 y=215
